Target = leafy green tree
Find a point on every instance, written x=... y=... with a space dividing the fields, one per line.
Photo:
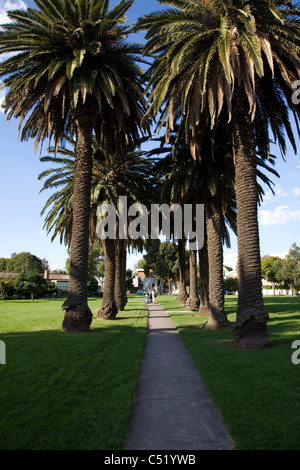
x=231 y=284
x=24 y=262
x=30 y=283
x=7 y=287
x=279 y=274
x=166 y=264
x=92 y=285
x=291 y=269
x=242 y=58
x=3 y=263
x=269 y=270
x=160 y=260
x=72 y=68
x=148 y=263
x=129 y=279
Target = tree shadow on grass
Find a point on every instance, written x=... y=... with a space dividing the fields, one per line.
x=69 y=390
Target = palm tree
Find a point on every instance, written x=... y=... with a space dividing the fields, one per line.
x=193 y=293
x=130 y=176
x=73 y=69
x=210 y=181
x=241 y=57
x=187 y=181
x=204 y=279
x=111 y=177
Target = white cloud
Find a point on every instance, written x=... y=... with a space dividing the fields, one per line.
x=281 y=215
x=281 y=255
x=231 y=260
x=2 y=96
x=132 y=259
x=57 y=266
x=269 y=196
x=7 y=5
x=296 y=192
x=298 y=165
x=280 y=193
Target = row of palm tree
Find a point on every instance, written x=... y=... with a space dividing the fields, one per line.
x=223 y=68
x=140 y=179
x=210 y=182
x=111 y=177
x=238 y=58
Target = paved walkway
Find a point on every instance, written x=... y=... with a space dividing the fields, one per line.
x=172 y=409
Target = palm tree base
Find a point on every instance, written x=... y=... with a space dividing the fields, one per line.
x=217 y=325
x=181 y=299
x=203 y=311
x=108 y=311
x=121 y=305
x=251 y=332
x=194 y=304
x=77 y=319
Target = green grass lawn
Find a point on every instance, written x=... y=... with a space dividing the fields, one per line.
x=75 y=391
x=257 y=392
x=65 y=390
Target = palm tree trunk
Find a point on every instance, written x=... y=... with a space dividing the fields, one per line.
x=217 y=318
x=119 y=273
x=204 y=278
x=194 y=299
x=123 y=265
x=182 y=295
x=250 y=328
x=109 y=309
x=78 y=316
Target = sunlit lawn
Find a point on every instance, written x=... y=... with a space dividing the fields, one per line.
x=257 y=392
x=65 y=390
x=75 y=391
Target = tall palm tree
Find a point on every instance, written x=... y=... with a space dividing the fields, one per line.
x=72 y=68
x=242 y=57
x=193 y=292
x=187 y=181
x=130 y=176
x=111 y=178
x=210 y=181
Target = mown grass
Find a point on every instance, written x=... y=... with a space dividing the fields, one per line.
x=75 y=391
x=65 y=390
x=257 y=392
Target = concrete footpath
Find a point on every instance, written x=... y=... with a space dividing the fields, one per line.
x=172 y=409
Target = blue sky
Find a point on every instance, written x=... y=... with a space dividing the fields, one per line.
x=21 y=226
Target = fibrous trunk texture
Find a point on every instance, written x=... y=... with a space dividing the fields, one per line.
x=123 y=264
x=78 y=316
x=182 y=295
x=250 y=328
x=109 y=309
x=120 y=276
x=217 y=318
x=194 y=298
x=204 y=279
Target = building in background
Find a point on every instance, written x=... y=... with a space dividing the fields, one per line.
x=61 y=281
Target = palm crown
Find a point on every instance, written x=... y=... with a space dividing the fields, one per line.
x=69 y=54
x=206 y=50
x=111 y=178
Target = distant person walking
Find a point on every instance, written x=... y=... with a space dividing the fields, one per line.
x=147 y=297
x=153 y=293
